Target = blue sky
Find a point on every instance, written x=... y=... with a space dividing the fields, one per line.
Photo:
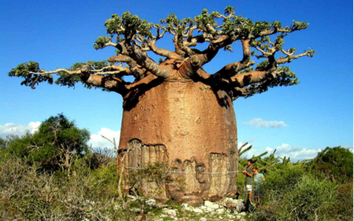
x=297 y=121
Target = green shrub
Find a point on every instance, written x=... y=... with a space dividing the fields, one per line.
x=107 y=178
x=26 y=194
x=308 y=199
x=283 y=178
x=56 y=144
x=150 y=180
x=19 y=146
x=344 y=207
x=333 y=163
x=312 y=199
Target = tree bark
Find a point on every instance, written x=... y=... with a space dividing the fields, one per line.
x=191 y=127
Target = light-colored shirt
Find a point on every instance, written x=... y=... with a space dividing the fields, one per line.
x=258 y=179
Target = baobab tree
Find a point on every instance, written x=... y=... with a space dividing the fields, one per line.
x=175 y=111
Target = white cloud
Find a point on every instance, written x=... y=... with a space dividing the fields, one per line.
x=294 y=152
x=258 y=122
x=17 y=129
x=268 y=149
x=97 y=141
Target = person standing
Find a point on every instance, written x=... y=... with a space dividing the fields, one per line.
x=248 y=183
x=258 y=181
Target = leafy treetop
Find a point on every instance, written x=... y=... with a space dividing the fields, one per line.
x=56 y=143
x=133 y=38
x=334 y=163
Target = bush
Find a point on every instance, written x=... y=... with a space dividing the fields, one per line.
x=56 y=144
x=151 y=180
x=333 y=163
x=303 y=191
x=26 y=194
x=19 y=146
x=344 y=206
x=283 y=178
x=106 y=177
x=308 y=199
x=312 y=199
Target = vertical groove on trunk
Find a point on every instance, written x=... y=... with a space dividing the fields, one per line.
x=218 y=177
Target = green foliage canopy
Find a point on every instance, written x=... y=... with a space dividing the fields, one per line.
x=133 y=37
x=333 y=163
x=54 y=145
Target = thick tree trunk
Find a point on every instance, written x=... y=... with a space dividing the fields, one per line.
x=191 y=128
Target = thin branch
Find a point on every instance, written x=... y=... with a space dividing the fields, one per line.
x=110 y=44
x=271 y=32
x=291 y=57
x=118 y=69
x=264 y=54
x=43 y=72
x=243 y=151
x=112 y=142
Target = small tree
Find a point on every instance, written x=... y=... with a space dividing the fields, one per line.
x=57 y=142
x=334 y=163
